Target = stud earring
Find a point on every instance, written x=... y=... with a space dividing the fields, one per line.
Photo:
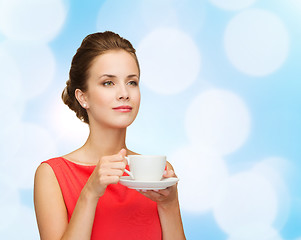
x=84 y=105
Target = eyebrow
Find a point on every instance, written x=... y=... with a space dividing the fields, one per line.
x=113 y=76
x=133 y=75
x=107 y=75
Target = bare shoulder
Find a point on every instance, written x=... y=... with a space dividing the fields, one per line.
x=49 y=203
x=44 y=172
x=46 y=184
x=46 y=187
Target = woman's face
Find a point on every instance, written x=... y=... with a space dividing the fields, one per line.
x=113 y=94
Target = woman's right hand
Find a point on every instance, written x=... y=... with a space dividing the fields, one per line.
x=108 y=170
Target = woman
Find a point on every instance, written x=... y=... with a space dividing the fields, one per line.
x=78 y=196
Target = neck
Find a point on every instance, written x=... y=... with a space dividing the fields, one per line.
x=103 y=142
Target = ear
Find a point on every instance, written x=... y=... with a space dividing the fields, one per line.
x=81 y=98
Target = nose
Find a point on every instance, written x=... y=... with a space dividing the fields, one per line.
x=123 y=93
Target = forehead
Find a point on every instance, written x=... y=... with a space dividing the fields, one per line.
x=114 y=62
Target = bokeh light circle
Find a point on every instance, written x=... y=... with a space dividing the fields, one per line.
x=200 y=174
x=9 y=201
x=188 y=15
x=37 y=145
x=170 y=61
x=10 y=77
x=232 y=4
x=36 y=64
x=265 y=233
x=256 y=42
x=109 y=20
x=275 y=169
x=10 y=142
x=24 y=225
x=218 y=119
x=31 y=20
x=246 y=204
x=65 y=124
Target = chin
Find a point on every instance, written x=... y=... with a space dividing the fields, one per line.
x=121 y=125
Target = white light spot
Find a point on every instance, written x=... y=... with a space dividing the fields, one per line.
x=170 y=61
x=273 y=169
x=295 y=6
x=9 y=201
x=218 y=119
x=31 y=20
x=245 y=205
x=11 y=105
x=232 y=4
x=184 y=14
x=110 y=20
x=65 y=124
x=188 y=15
x=200 y=174
x=166 y=14
x=36 y=65
x=10 y=77
x=37 y=145
x=10 y=142
x=256 y=42
x=24 y=226
x=265 y=233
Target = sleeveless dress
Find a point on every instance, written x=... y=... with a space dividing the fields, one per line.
x=121 y=213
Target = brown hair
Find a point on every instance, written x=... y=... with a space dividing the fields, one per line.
x=92 y=46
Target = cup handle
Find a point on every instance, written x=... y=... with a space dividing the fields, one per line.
x=127 y=171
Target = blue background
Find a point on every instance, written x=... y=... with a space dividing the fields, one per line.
x=213 y=66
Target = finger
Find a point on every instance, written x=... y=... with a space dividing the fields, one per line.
x=115 y=172
x=155 y=196
x=117 y=165
x=113 y=165
x=150 y=193
x=164 y=192
x=111 y=172
x=169 y=173
x=110 y=180
x=122 y=152
x=153 y=193
x=114 y=158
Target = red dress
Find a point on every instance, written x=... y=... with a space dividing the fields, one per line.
x=121 y=213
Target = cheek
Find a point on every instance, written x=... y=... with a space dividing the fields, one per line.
x=137 y=98
x=102 y=99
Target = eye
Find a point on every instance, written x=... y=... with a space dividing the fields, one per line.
x=133 y=83
x=108 y=83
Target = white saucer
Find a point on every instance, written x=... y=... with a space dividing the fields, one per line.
x=144 y=185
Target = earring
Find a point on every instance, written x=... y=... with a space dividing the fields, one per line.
x=84 y=105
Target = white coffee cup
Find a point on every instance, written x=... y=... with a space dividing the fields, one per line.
x=146 y=167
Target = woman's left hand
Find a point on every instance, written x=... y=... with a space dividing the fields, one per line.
x=165 y=196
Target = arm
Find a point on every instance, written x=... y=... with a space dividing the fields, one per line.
x=49 y=204
x=171 y=222
x=51 y=211
x=168 y=209
x=50 y=208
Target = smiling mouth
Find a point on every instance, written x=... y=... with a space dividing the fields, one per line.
x=123 y=109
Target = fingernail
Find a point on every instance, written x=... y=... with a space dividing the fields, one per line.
x=143 y=190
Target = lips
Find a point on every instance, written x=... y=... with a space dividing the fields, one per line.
x=123 y=108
